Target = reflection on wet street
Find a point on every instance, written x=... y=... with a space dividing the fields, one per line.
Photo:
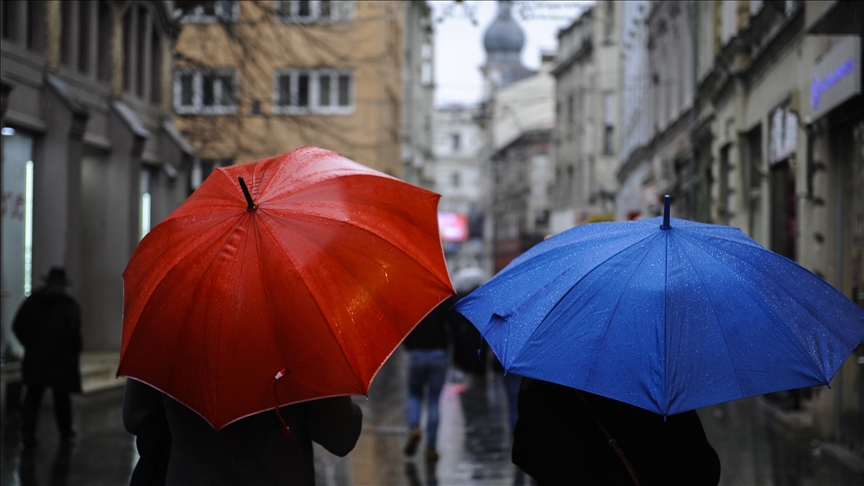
x=755 y=444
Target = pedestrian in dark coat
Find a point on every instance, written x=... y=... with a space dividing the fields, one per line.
x=252 y=450
x=48 y=325
x=559 y=439
x=428 y=359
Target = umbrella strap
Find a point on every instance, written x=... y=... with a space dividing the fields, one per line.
x=612 y=442
x=286 y=431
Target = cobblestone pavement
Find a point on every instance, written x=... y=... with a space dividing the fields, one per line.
x=474 y=443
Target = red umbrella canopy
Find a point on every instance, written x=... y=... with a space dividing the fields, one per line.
x=323 y=274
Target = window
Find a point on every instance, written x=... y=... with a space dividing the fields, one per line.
x=608 y=123
x=457 y=142
x=213 y=12
x=10 y=16
x=783 y=130
x=145 y=217
x=103 y=45
x=84 y=32
x=209 y=92
x=455 y=179
x=609 y=22
x=755 y=6
x=313 y=11
x=313 y=91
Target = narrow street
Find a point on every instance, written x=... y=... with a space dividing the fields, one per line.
x=754 y=448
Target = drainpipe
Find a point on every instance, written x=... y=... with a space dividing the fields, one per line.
x=694 y=27
x=839 y=190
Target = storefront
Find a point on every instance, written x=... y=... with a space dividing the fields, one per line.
x=835 y=190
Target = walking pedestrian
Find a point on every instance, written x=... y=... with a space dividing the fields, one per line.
x=563 y=435
x=48 y=325
x=177 y=446
x=429 y=359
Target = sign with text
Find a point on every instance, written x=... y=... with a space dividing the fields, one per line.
x=836 y=76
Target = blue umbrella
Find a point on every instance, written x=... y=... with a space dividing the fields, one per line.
x=667 y=315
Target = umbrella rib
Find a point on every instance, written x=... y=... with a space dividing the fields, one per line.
x=287 y=253
x=617 y=305
x=527 y=302
x=191 y=250
x=376 y=235
x=772 y=312
x=572 y=287
x=716 y=318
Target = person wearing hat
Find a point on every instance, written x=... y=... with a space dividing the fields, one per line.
x=48 y=325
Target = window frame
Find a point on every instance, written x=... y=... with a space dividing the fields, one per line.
x=314 y=107
x=197 y=15
x=340 y=11
x=198 y=107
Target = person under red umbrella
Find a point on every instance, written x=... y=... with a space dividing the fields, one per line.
x=177 y=446
x=278 y=285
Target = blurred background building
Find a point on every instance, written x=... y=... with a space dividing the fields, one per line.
x=91 y=158
x=258 y=78
x=457 y=177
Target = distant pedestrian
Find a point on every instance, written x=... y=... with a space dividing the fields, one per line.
x=48 y=325
x=429 y=359
x=563 y=437
x=178 y=447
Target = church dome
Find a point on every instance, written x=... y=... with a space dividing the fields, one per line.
x=504 y=34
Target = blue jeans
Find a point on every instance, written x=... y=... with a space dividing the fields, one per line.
x=427 y=369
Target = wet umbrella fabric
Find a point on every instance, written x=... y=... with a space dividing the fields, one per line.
x=668 y=320
x=322 y=272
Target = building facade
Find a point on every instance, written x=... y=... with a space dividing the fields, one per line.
x=418 y=106
x=762 y=131
x=260 y=78
x=587 y=128
x=522 y=121
x=457 y=175
x=503 y=41
x=657 y=112
x=91 y=159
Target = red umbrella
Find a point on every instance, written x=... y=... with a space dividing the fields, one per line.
x=300 y=289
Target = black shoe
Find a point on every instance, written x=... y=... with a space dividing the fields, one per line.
x=413 y=442
x=69 y=435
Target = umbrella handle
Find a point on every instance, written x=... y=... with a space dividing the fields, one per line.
x=665 y=224
x=612 y=442
x=251 y=206
x=286 y=431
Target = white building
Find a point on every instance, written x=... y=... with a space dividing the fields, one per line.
x=457 y=175
x=587 y=73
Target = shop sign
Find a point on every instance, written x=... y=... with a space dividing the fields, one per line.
x=836 y=77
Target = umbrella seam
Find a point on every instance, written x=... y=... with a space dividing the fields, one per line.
x=197 y=287
x=561 y=274
x=716 y=318
x=354 y=365
x=558 y=302
x=447 y=283
x=773 y=312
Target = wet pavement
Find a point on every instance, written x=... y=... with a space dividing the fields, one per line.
x=474 y=443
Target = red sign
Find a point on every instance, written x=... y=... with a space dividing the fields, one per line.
x=453 y=226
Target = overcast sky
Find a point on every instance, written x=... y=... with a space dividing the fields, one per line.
x=459 y=44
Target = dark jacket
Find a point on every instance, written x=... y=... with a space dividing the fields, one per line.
x=251 y=450
x=48 y=325
x=557 y=441
x=433 y=332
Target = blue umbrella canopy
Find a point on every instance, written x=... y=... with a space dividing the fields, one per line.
x=665 y=314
